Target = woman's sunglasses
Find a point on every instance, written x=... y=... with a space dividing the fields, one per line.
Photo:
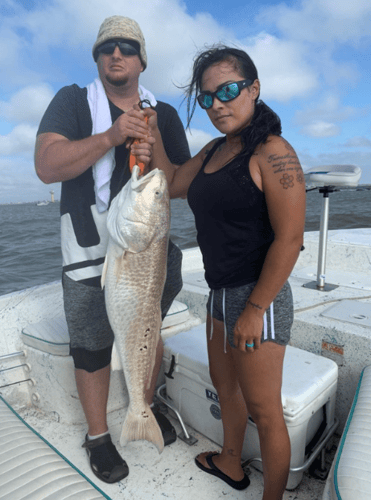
x=109 y=47
x=224 y=94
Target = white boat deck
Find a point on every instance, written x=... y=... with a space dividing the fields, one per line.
x=173 y=474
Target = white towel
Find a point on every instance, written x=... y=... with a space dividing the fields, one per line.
x=102 y=121
x=146 y=94
x=101 y=118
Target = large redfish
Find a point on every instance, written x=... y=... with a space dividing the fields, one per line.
x=133 y=277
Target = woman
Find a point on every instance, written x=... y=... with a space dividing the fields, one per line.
x=247 y=192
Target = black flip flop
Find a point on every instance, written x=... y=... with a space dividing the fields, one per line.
x=103 y=455
x=214 y=471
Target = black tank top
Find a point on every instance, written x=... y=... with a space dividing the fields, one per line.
x=233 y=228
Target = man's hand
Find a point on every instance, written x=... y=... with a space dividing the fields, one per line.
x=130 y=124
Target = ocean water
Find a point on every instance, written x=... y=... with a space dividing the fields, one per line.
x=30 y=235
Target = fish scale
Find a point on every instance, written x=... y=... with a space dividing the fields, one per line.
x=134 y=276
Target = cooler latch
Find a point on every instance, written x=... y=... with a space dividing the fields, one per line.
x=169 y=374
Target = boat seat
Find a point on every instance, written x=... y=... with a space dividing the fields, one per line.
x=31 y=469
x=51 y=335
x=350 y=474
x=333 y=175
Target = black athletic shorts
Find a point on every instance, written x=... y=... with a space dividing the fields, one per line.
x=91 y=336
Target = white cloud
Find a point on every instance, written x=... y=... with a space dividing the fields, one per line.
x=322 y=119
x=14 y=67
x=294 y=53
x=321 y=129
x=28 y=104
x=197 y=139
x=358 y=142
x=20 y=140
x=19 y=182
x=282 y=69
x=171 y=46
x=319 y=21
x=318 y=28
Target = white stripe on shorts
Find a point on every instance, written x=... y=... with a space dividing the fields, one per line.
x=272 y=322
x=265 y=326
x=211 y=315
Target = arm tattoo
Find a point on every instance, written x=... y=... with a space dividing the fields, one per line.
x=287 y=181
x=289 y=166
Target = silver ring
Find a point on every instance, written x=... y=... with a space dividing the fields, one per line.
x=249 y=345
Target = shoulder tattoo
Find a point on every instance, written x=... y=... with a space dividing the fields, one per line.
x=287 y=166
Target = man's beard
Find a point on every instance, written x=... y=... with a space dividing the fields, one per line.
x=117 y=82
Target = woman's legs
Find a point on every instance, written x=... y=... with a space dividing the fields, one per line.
x=260 y=380
x=253 y=381
x=233 y=408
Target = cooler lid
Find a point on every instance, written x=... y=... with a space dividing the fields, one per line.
x=190 y=351
x=305 y=375
x=313 y=374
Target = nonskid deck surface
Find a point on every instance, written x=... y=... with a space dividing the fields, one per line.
x=172 y=475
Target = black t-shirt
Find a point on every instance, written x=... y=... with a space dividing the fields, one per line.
x=83 y=229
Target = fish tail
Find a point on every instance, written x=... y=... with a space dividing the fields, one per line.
x=142 y=425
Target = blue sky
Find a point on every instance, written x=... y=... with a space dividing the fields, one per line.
x=313 y=59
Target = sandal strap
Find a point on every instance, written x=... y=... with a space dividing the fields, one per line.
x=210 y=463
x=93 y=443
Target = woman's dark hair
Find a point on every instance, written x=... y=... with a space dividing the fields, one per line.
x=264 y=122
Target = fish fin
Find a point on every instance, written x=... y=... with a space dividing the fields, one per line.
x=115 y=359
x=142 y=426
x=104 y=272
x=118 y=263
x=152 y=365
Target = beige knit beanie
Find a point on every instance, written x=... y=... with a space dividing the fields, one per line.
x=121 y=27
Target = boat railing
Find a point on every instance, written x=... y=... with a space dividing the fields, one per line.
x=26 y=367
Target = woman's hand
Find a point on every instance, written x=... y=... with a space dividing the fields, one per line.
x=151 y=116
x=142 y=150
x=248 y=329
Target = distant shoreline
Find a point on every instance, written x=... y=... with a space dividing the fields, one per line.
x=360 y=187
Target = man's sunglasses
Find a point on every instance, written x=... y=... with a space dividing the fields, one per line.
x=125 y=48
x=224 y=94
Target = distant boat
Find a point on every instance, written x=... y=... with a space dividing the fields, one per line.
x=42 y=203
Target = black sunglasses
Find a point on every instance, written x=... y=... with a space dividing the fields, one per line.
x=125 y=48
x=224 y=94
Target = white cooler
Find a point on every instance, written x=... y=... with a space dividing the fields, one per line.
x=308 y=397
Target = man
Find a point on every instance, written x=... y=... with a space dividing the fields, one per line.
x=82 y=142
